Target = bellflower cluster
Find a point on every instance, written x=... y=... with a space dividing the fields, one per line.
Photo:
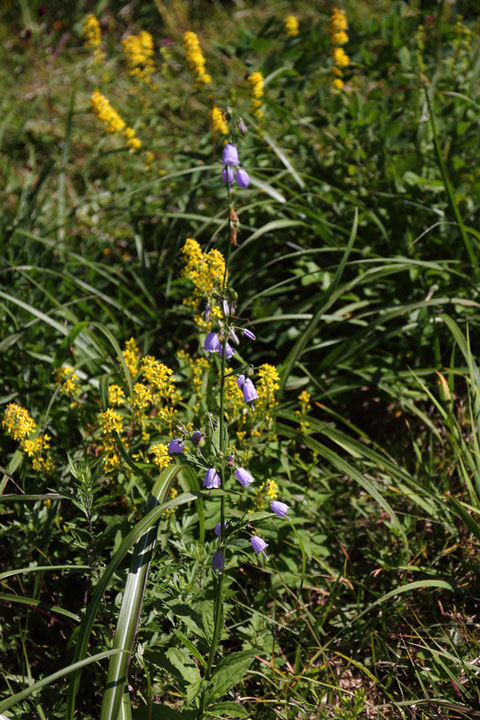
x=230 y=160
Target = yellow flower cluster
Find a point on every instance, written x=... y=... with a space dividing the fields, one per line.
x=206 y=271
x=267 y=492
x=233 y=398
x=67 y=379
x=91 y=32
x=172 y=495
x=268 y=382
x=291 y=25
x=159 y=376
x=131 y=355
x=19 y=424
x=195 y=58
x=256 y=82
x=93 y=38
x=161 y=457
x=111 y=422
x=338 y=36
x=138 y=51
x=114 y=124
x=305 y=407
x=217 y=121
x=116 y=396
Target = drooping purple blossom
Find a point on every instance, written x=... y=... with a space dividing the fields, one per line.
x=249 y=392
x=242 y=178
x=217 y=530
x=241 y=381
x=226 y=308
x=227 y=175
x=176 y=446
x=212 y=343
x=243 y=477
x=279 y=508
x=259 y=545
x=196 y=437
x=249 y=334
x=230 y=155
x=228 y=351
x=218 y=560
x=233 y=335
x=211 y=479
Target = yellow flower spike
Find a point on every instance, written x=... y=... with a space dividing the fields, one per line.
x=217 y=121
x=131 y=356
x=291 y=25
x=161 y=457
x=338 y=36
x=91 y=32
x=67 y=380
x=116 y=396
x=195 y=58
x=111 y=422
x=139 y=51
x=340 y=58
x=18 y=422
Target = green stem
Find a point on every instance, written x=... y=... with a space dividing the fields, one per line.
x=222 y=448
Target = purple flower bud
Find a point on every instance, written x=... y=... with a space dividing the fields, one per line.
x=226 y=308
x=228 y=351
x=259 y=545
x=233 y=335
x=279 y=508
x=196 y=437
x=230 y=460
x=227 y=175
x=249 y=334
x=241 y=381
x=243 y=477
x=211 y=479
x=242 y=178
x=176 y=446
x=206 y=312
x=230 y=155
x=242 y=127
x=217 y=530
x=218 y=560
x=212 y=343
x=249 y=392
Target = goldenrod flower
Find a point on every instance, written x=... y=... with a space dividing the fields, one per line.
x=91 y=31
x=268 y=383
x=112 y=121
x=338 y=26
x=195 y=58
x=219 y=126
x=142 y=396
x=67 y=380
x=256 y=83
x=291 y=25
x=138 y=51
x=131 y=356
x=205 y=270
x=161 y=457
x=111 y=422
x=18 y=422
x=340 y=57
x=116 y=396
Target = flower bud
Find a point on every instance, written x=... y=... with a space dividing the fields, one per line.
x=212 y=343
x=279 y=508
x=218 y=560
x=259 y=545
x=243 y=477
x=249 y=334
x=196 y=437
x=230 y=155
x=242 y=178
x=176 y=446
x=242 y=127
x=211 y=479
x=227 y=175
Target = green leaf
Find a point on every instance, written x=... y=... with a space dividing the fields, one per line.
x=228 y=672
x=230 y=709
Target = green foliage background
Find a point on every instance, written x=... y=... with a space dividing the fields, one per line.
x=358 y=267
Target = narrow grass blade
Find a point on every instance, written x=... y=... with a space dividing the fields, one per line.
x=40 y=604
x=92 y=608
x=304 y=338
x=36 y=687
x=132 y=603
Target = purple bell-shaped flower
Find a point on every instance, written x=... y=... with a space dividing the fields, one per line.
x=211 y=479
x=212 y=343
x=279 y=508
x=249 y=334
x=249 y=392
x=228 y=351
x=218 y=560
x=242 y=178
x=176 y=446
x=259 y=545
x=227 y=175
x=230 y=155
x=243 y=477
